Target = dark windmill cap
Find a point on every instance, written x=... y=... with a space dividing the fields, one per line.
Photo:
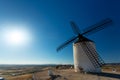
x=83 y=39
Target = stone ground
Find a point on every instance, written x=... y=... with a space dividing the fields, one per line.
x=69 y=74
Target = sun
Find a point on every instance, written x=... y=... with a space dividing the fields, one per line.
x=16 y=36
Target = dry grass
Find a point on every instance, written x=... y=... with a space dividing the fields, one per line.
x=69 y=74
x=21 y=77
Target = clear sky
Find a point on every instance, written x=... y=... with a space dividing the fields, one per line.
x=45 y=25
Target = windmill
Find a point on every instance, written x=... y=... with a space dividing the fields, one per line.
x=84 y=51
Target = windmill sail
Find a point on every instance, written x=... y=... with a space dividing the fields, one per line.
x=97 y=27
x=90 y=55
x=94 y=57
x=97 y=56
x=66 y=43
x=75 y=28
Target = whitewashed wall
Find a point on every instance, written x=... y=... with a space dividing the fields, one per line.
x=82 y=60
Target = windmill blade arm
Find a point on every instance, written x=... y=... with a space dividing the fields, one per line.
x=75 y=28
x=97 y=27
x=66 y=43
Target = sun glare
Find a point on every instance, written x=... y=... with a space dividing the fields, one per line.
x=16 y=36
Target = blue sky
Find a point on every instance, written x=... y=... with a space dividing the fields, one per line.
x=48 y=24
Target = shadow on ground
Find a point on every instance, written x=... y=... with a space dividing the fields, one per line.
x=112 y=75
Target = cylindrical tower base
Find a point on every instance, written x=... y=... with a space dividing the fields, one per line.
x=81 y=60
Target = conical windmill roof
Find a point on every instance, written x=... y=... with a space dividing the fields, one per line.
x=83 y=39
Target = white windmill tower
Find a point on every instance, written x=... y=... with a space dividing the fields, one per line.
x=84 y=51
